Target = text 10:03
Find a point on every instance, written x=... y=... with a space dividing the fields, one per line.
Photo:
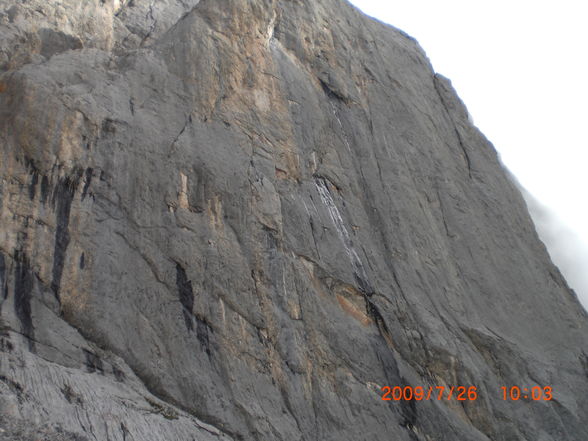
x=535 y=393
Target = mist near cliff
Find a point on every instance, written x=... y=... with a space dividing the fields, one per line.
x=567 y=250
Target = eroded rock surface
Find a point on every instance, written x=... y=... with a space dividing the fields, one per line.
x=239 y=219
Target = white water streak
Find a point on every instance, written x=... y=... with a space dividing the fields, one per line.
x=335 y=215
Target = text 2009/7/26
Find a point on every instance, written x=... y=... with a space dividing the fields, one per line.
x=419 y=393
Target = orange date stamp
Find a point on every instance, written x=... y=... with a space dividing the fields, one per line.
x=463 y=393
x=419 y=393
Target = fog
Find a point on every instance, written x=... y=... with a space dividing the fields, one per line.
x=566 y=249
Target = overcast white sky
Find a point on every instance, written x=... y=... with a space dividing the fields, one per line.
x=521 y=67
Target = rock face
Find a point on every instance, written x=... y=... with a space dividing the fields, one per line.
x=240 y=219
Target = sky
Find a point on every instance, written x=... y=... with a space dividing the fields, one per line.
x=521 y=68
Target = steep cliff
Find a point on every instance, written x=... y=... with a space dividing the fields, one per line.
x=240 y=219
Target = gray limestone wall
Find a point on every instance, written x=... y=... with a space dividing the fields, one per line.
x=240 y=219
